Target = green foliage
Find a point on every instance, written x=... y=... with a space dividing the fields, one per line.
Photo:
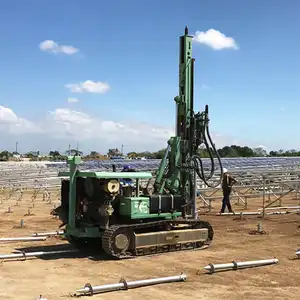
x=114 y=152
x=72 y=152
x=284 y=153
x=227 y=151
x=94 y=155
x=146 y=154
x=56 y=156
x=33 y=155
x=5 y=155
x=236 y=151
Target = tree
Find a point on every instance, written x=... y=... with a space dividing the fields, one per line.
x=132 y=154
x=228 y=152
x=260 y=151
x=72 y=152
x=159 y=154
x=32 y=154
x=54 y=153
x=56 y=156
x=94 y=154
x=5 y=155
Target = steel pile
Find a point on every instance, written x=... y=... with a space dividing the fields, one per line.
x=52 y=233
x=23 y=239
x=124 y=285
x=212 y=268
x=32 y=254
x=258 y=213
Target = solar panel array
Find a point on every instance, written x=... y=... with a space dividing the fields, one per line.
x=152 y=164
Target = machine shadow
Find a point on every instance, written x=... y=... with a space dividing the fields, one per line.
x=92 y=254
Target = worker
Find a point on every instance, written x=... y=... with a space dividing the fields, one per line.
x=128 y=188
x=127 y=168
x=227 y=182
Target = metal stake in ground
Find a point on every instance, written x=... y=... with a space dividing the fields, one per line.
x=54 y=233
x=32 y=254
x=239 y=265
x=23 y=239
x=123 y=285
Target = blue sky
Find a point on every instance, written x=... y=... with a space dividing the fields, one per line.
x=252 y=91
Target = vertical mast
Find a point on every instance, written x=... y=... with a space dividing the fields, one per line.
x=185 y=108
x=186 y=87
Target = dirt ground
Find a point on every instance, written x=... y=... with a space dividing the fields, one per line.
x=56 y=278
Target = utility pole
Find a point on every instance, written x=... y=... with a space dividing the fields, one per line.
x=16 y=148
x=122 y=147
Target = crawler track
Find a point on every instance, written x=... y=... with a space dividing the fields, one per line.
x=127 y=231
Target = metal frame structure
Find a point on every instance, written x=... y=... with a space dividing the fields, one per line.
x=271 y=179
x=271 y=187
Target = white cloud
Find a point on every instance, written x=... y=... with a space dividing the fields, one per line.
x=52 y=46
x=63 y=115
x=61 y=126
x=62 y=122
x=12 y=124
x=72 y=100
x=7 y=115
x=89 y=86
x=215 y=39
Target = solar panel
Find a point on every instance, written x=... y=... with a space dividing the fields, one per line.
x=153 y=164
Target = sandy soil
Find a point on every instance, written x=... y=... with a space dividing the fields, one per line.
x=56 y=278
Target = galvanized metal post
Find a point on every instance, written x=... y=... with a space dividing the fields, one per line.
x=51 y=233
x=264 y=196
x=32 y=254
x=194 y=206
x=124 y=285
x=23 y=239
x=239 y=265
x=297 y=195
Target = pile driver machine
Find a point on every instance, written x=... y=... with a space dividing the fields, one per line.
x=126 y=221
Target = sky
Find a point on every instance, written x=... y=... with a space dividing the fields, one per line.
x=105 y=73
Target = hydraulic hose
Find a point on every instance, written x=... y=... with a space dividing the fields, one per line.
x=206 y=122
x=196 y=159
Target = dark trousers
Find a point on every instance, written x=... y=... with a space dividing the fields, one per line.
x=226 y=201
